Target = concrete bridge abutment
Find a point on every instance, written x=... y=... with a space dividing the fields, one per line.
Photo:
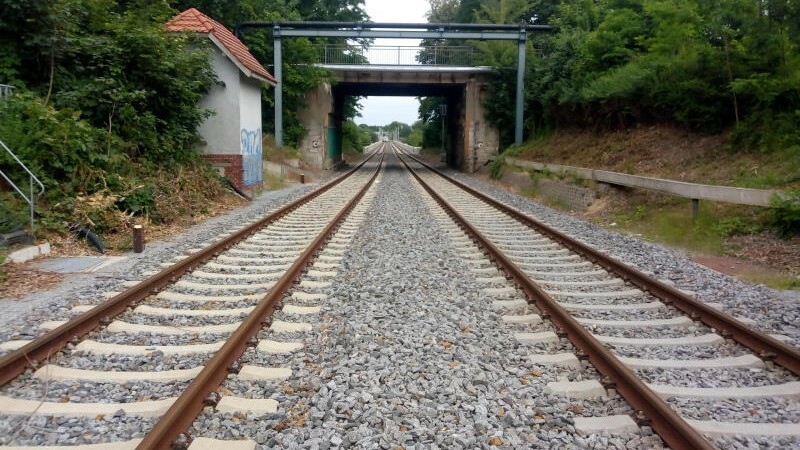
x=471 y=140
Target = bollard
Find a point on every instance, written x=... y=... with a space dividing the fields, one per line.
x=695 y=208
x=138 y=239
x=302 y=178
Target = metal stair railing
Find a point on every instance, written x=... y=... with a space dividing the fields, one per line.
x=30 y=198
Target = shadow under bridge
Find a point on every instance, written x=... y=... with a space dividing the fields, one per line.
x=470 y=140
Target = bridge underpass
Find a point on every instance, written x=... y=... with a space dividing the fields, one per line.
x=470 y=143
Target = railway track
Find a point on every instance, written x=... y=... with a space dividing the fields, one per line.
x=388 y=311
x=186 y=327
x=645 y=336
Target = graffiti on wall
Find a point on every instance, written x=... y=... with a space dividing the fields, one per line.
x=251 y=156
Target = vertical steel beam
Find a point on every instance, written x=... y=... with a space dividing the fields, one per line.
x=519 y=116
x=278 y=61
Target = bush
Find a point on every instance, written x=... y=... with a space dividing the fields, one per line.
x=138 y=202
x=785 y=213
x=105 y=112
x=14 y=212
x=736 y=225
x=496 y=167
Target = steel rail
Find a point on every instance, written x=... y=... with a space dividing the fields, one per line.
x=672 y=428
x=180 y=416
x=40 y=349
x=765 y=346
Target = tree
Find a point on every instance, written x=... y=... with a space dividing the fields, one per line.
x=415 y=138
x=706 y=65
x=299 y=73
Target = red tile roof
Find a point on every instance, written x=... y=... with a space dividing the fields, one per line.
x=193 y=20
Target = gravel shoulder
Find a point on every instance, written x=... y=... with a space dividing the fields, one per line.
x=17 y=314
x=772 y=311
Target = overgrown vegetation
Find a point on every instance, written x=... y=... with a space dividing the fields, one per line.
x=720 y=229
x=670 y=221
x=707 y=66
x=3 y=255
x=785 y=213
x=356 y=137
x=105 y=106
x=105 y=109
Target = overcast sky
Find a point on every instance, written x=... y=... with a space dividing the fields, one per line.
x=383 y=110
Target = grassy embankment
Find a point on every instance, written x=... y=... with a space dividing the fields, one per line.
x=720 y=228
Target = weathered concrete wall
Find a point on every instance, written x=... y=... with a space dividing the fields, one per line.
x=315 y=117
x=456 y=130
x=471 y=141
x=576 y=198
x=573 y=197
x=481 y=140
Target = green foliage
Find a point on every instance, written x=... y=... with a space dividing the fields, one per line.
x=106 y=102
x=431 y=117
x=613 y=64
x=785 y=213
x=118 y=71
x=415 y=138
x=671 y=223
x=139 y=201
x=784 y=170
x=736 y=225
x=67 y=152
x=496 y=167
x=14 y=213
x=355 y=137
x=106 y=107
x=403 y=129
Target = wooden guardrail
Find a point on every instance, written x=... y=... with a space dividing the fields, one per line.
x=694 y=191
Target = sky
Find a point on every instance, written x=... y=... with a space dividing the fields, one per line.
x=384 y=110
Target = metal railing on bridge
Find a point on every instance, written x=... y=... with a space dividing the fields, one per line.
x=460 y=56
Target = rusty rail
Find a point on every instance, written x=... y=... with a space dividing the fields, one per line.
x=765 y=346
x=53 y=341
x=180 y=416
x=673 y=429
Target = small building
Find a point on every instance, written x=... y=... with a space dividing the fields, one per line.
x=233 y=134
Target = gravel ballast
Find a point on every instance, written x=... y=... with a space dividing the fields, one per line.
x=772 y=311
x=19 y=314
x=409 y=349
x=408 y=352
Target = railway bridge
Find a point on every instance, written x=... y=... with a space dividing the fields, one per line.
x=436 y=70
x=472 y=139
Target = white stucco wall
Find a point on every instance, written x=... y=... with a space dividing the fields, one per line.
x=221 y=132
x=250 y=129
